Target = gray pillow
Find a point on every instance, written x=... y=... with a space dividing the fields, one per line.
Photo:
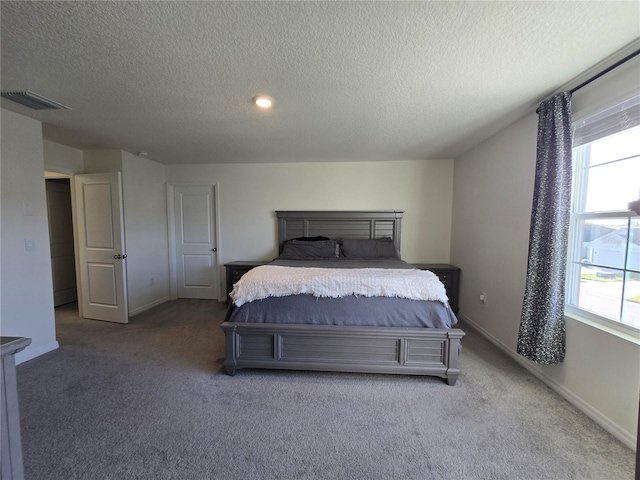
x=365 y=248
x=307 y=250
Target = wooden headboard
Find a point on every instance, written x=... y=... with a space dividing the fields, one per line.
x=368 y=224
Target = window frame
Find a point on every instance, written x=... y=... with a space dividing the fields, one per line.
x=575 y=244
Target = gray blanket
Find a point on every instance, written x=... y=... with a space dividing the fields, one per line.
x=352 y=311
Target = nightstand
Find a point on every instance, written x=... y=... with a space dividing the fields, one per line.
x=235 y=270
x=449 y=276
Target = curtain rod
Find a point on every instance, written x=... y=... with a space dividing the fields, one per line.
x=603 y=72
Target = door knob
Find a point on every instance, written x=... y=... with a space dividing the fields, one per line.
x=117 y=257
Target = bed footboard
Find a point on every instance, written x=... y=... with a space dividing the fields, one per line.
x=408 y=351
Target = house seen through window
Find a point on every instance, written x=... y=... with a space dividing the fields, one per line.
x=603 y=281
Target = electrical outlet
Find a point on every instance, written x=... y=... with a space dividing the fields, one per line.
x=483 y=298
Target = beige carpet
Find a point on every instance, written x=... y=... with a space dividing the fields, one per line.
x=148 y=400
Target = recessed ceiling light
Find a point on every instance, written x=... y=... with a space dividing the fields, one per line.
x=263 y=101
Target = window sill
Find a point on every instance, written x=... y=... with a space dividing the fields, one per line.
x=619 y=330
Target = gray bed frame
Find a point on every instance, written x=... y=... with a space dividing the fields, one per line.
x=335 y=348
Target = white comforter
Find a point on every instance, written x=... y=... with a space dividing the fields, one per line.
x=277 y=281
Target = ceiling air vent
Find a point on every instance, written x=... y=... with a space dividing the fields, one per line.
x=33 y=100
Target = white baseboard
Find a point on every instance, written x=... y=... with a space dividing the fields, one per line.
x=32 y=352
x=148 y=306
x=605 y=422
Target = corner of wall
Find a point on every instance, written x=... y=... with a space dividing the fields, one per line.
x=102 y=161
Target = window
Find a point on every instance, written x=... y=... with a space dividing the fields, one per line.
x=603 y=276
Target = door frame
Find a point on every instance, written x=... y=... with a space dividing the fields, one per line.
x=70 y=174
x=171 y=216
x=61 y=172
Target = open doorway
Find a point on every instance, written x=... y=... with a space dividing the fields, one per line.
x=61 y=238
x=87 y=243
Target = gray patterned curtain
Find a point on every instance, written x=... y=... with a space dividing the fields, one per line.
x=542 y=332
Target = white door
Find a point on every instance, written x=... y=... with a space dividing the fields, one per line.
x=195 y=240
x=101 y=247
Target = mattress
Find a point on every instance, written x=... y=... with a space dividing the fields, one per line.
x=349 y=310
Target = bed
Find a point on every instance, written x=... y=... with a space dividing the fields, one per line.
x=353 y=333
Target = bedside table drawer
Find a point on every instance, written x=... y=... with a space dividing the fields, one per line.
x=449 y=275
x=235 y=271
x=236 y=274
x=446 y=278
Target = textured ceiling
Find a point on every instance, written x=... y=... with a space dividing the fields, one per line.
x=351 y=80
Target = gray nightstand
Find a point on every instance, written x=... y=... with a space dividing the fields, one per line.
x=449 y=275
x=235 y=271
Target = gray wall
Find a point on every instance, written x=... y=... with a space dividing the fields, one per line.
x=493 y=189
x=26 y=302
x=249 y=195
x=145 y=218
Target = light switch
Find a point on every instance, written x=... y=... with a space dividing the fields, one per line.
x=29 y=244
